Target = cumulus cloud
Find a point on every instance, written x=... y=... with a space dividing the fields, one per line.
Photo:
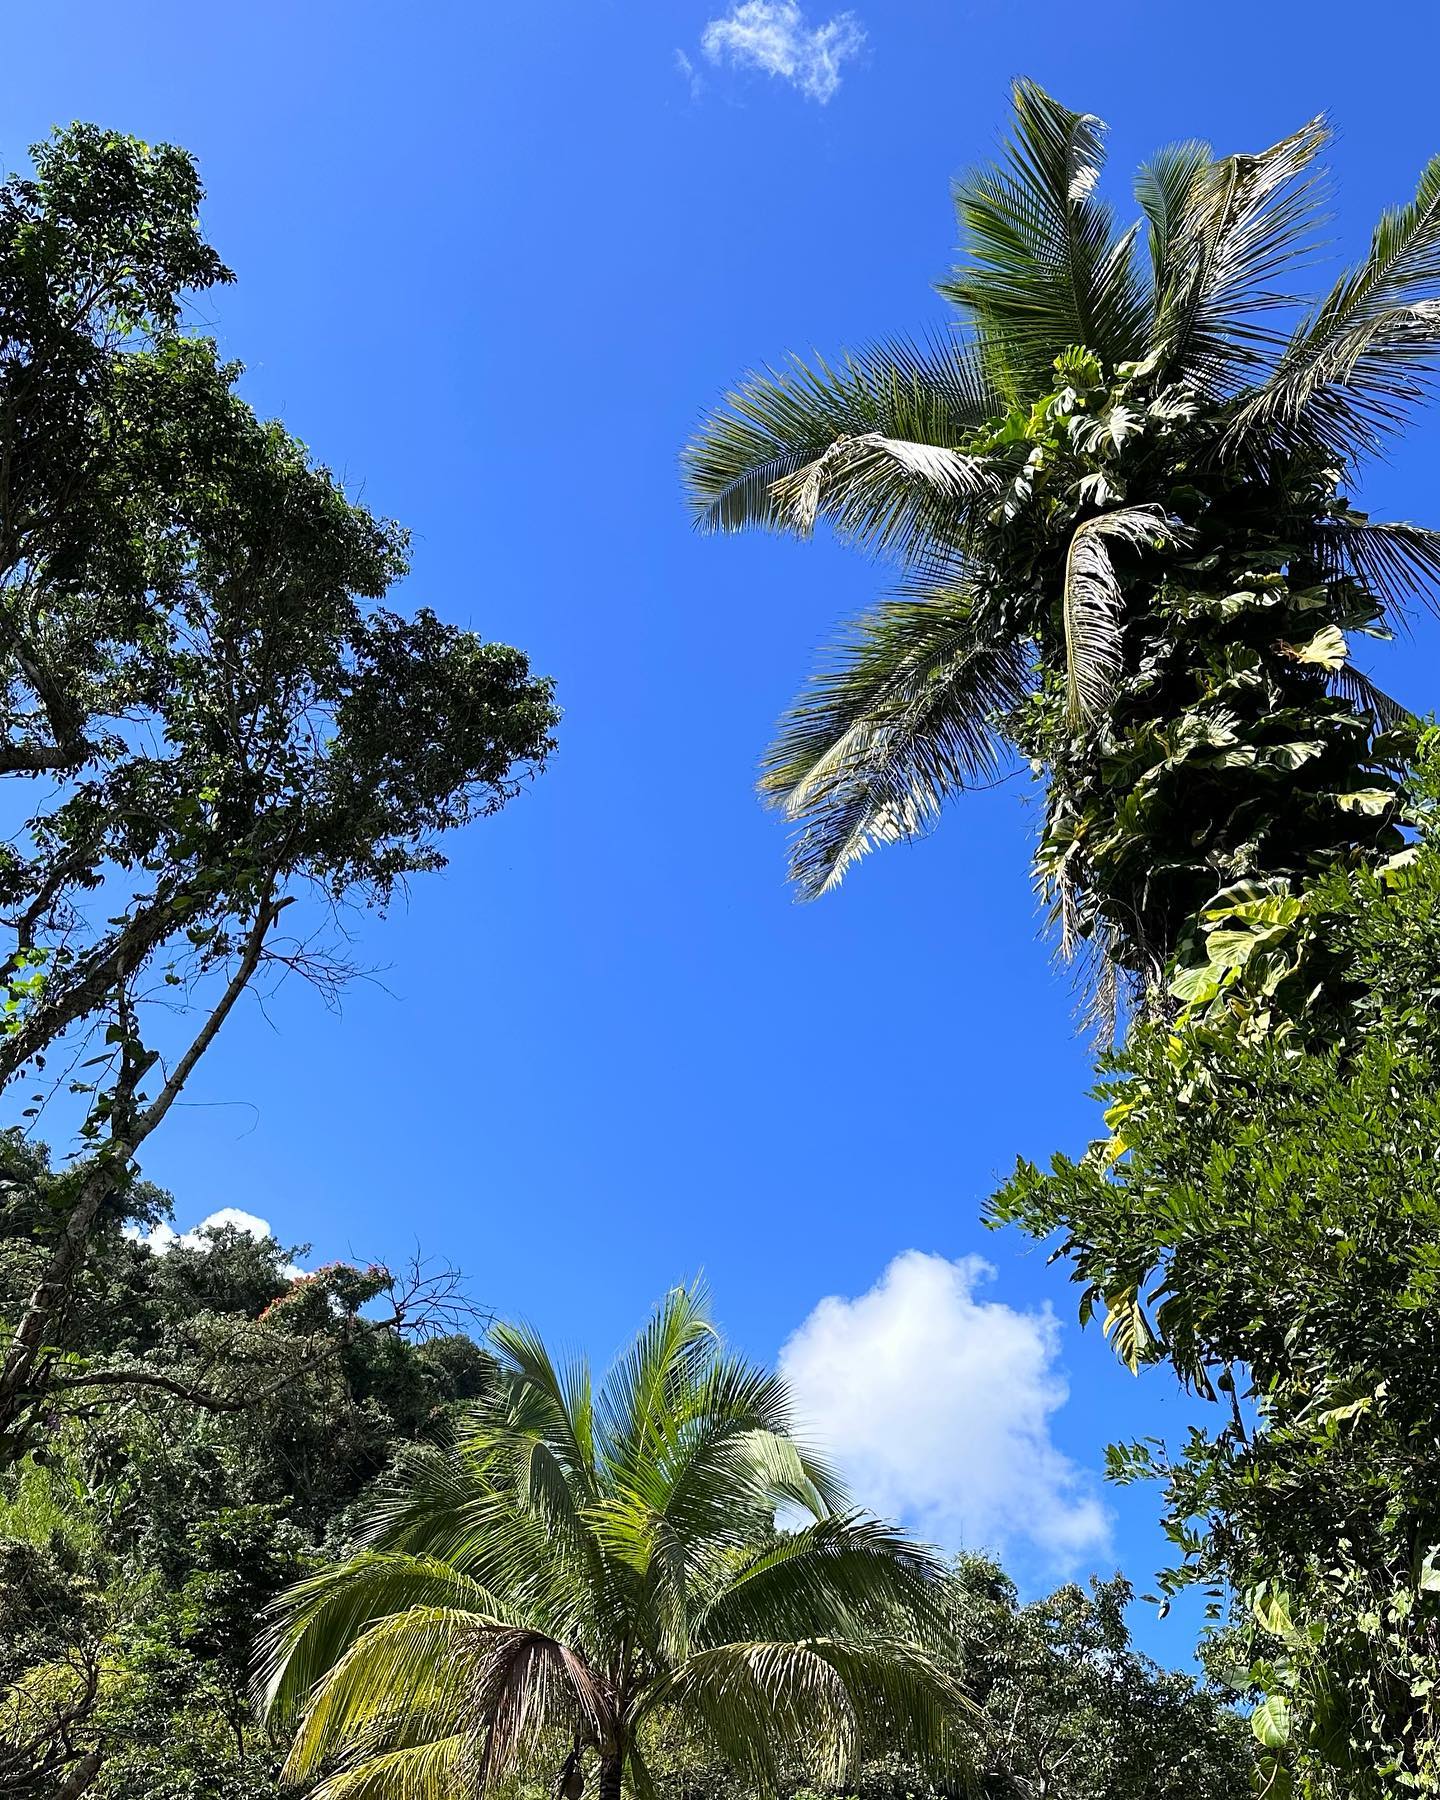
x=937 y=1406
x=774 y=35
x=165 y=1237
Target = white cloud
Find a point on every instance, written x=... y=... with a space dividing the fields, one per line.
x=689 y=74
x=937 y=1406
x=774 y=35
x=165 y=1237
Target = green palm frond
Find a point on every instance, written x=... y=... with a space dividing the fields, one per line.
x=1357 y=366
x=563 y=1397
x=900 y=718
x=1092 y=601
x=1165 y=189
x=433 y=1771
x=837 y=1577
x=777 y=423
x=1222 y=234
x=417 y=1663
x=818 y=1704
x=321 y=1618
x=511 y=1548
x=1044 y=269
x=1371 y=702
x=655 y=1380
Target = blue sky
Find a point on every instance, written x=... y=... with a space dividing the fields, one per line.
x=494 y=260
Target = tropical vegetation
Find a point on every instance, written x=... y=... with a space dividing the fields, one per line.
x=1117 y=494
x=1262 y=1216
x=222 y=731
x=267 y=1531
x=590 y=1568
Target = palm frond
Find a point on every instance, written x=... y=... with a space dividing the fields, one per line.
x=317 y=1621
x=532 y=1687
x=818 y=1704
x=1165 y=190
x=1356 y=367
x=1092 y=602
x=667 y=1362
x=901 y=497
x=1372 y=702
x=536 y=1560
x=1221 y=234
x=837 y=1577
x=901 y=717
x=779 y=422
x=563 y=1397
x=433 y=1771
x=420 y=1662
x=1044 y=269
x=1396 y=562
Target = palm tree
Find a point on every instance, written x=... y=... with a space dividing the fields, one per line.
x=1116 y=494
x=585 y=1574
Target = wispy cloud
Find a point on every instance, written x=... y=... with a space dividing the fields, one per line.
x=774 y=35
x=937 y=1406
x=689 y=74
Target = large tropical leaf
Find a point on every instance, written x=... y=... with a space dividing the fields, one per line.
x=902 y=716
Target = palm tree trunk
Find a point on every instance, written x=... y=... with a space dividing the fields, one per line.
x=610 y=1772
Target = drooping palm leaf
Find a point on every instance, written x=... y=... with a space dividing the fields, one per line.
x=901 y=717
x=779 y=422
x=905 y=498
x=434 y=1771
x=1092 y=601
x=325 y=1615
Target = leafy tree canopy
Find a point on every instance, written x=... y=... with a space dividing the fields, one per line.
x=214 y=710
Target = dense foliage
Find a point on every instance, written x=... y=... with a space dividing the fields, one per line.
x=212 y=1419
x=214 y=715
x=1060 y=1705
x=1264 y=1216
x=1118 y=496
x=142 y=1550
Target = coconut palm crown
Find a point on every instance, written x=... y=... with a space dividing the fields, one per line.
x=1117 y=494
x=587 y=1574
